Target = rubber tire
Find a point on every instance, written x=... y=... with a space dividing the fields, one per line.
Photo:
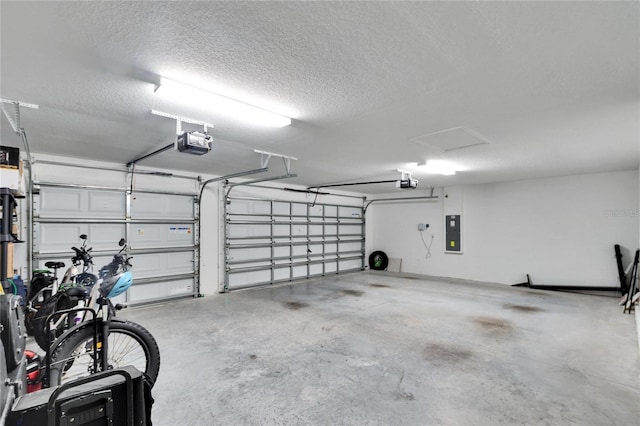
x=378 y=261
x=67 y=343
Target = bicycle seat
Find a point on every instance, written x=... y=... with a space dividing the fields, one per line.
x=54 y=265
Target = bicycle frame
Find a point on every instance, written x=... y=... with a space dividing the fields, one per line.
x=48 y=351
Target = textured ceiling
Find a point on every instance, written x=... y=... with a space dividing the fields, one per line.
x=553 y=85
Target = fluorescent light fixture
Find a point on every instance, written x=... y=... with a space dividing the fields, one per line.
x=205 y=99
x=439 y=167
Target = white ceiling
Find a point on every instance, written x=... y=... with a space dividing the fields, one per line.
x=554 y=86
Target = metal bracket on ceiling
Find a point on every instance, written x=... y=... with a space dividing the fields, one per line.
x=405 y=174
x=15 y=122
x=266 y=156
x=180 y=120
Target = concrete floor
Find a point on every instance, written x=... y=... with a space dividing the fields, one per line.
x=377 y=348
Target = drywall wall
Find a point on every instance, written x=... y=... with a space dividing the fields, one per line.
x=560 y=230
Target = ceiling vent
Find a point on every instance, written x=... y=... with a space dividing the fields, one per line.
x=452 y=139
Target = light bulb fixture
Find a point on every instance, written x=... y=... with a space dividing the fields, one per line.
x=203 y=98
x=439 y=167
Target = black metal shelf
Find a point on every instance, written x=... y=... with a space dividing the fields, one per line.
x=6 y=236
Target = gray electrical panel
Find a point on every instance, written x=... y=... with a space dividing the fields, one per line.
x=452 y=233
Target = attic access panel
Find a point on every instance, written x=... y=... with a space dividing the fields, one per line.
x=452 y=139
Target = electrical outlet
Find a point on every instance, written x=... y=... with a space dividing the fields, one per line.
x=422 y=226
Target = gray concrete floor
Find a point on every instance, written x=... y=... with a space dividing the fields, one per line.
x=376 y=348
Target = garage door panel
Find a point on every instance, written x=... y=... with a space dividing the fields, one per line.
x=166 y=206
x=80 y=203
x=162 y=264
x=150 y=235
x=281 y=230
x=251 y=253
x=59 y=201
x=349 y=229
x=350 y=212
x=281 y=251
x=299 y=230
x=316 y=248
x=299 y=250
x=315 y=230
x=246 y=278
x=106 y=204
x=347 y=265
x=249 y=207
x=244 y=231
x=57 y=237
x=299 y=272
x=298 y=209
x=281 y=208
x=161 y=289
x=60 y=237
x=280 y=274
x=105 y=236
x=330 y=211
x=316 y=269
x=349 y=247
x=316 y=210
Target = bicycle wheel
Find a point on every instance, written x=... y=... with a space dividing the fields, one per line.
x=129 y=344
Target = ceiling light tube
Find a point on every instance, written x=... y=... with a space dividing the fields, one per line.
x=203 y=98
x=439 y=166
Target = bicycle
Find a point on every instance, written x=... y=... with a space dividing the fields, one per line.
x=83 y=350
x=72 y=291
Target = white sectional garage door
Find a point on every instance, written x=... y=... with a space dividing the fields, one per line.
x=270 y=241
x=161 y=229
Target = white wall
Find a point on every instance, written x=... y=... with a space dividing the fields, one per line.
x=560 y=230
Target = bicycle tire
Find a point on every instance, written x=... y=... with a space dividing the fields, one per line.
x=72 y=354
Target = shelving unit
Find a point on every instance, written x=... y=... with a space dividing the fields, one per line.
x=9 y=203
